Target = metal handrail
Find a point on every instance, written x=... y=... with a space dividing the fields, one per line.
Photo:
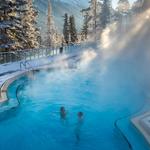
x=30 y=54
x=18 y=88
x=123 y=135
x=25 y=65
x=24 y=56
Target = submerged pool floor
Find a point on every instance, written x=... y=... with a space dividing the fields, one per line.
x=102 y=95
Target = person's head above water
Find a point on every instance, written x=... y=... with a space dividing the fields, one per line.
x=62 y=109
x=80 y=115
x=62 y=112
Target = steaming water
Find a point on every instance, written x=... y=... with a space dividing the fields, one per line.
x=102 y=96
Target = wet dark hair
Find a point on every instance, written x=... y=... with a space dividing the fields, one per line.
x=80 y=114
x=62 y=108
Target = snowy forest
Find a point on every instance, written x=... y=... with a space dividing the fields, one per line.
x=19 y=29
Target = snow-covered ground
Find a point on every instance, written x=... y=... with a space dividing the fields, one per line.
x=12 y=69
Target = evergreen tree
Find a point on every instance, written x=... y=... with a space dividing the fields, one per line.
x=72 y=29
x=105 y=13
x=9 y=26
x=93 y=12
x=66 y=29
x=17 y=30
x=84 y=32
x=124 y=14
x=30 y=30
x=52 y=35
x=123 y=6
x=20 y=11
x=49 y=27
x=93 y=6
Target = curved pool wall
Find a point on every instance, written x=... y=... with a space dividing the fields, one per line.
x=11 y=101
x=35 y=124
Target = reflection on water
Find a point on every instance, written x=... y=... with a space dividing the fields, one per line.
x=78 y=130
x=64 y=121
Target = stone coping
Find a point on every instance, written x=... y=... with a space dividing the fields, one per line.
x=5 y=85
x=142 y=123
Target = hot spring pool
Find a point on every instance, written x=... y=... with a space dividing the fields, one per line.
x=103 y=97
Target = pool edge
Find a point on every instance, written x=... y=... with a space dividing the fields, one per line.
x=5 y=85
x=141 y=127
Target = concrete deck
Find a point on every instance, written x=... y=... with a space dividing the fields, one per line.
x=142 y=123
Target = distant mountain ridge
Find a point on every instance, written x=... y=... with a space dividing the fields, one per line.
x=59 y=8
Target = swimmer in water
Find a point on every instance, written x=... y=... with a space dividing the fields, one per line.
x=80 y=116
x=63 y=112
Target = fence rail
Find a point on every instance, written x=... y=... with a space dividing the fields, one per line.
x=31 y=54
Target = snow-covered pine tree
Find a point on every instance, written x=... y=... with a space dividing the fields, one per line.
x=94 y=13
x=9 y=23
x=52 y=37
x=30 y=30
x=20 y=10
x=49 y=27
x=66 y=29
x=17 y=25
x=105 y=14
x=124 y=14
x=72 y=29
x=123 y=6
x=84 y=32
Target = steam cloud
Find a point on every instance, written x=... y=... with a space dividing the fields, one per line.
x=124 y=57
x=128 y=52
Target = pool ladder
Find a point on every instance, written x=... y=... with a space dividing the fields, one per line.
x=122 y=134
x=25 y=64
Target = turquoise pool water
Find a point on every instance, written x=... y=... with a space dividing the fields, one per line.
x=103 y=97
